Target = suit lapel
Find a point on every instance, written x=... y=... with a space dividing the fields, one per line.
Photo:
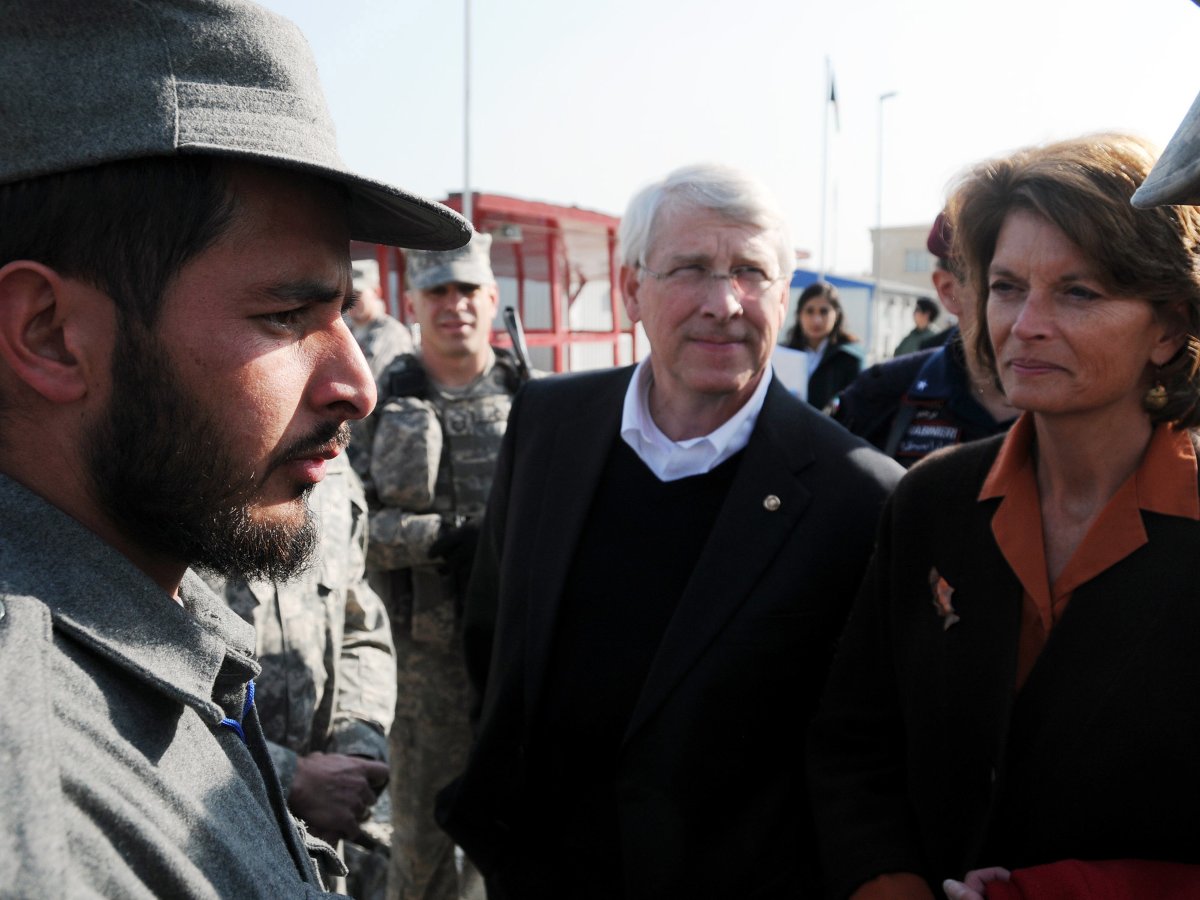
x=749 y=532
x=578 y=452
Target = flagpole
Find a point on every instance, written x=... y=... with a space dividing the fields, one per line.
x=877 y=256
x=824 y=169
x=833 y=225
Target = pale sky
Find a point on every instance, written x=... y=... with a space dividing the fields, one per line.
x=583 y=103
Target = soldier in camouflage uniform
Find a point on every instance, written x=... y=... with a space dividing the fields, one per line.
x=327 y=692
x=437 y=432
x=381 y=337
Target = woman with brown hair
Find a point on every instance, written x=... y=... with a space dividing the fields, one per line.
x=1017 y=683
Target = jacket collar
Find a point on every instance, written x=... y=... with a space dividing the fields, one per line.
x=671 y=460
x=200 y=655
x=940 y=377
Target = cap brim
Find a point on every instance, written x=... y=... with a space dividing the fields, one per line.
x=1175 y=178
x=379 y=213
x=382 y=214
x=459 y=271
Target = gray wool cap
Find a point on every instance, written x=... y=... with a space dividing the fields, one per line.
x=469 y=264
x=109 y=80
x=1175 y=178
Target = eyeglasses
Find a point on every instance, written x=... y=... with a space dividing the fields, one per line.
x=749 y=282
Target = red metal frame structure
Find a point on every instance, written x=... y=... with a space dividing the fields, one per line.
x=546 y=258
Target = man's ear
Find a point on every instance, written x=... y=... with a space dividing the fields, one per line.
x=947 y=288
x=48 y=330
x=629 y=292
x=410 y=311
x=492 y=293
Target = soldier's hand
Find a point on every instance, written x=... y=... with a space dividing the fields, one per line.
x=334 y=793
x=456 y=545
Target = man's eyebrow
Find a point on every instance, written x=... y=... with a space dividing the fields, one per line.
x=305 y=291
x=698 y=258
x=751 y=258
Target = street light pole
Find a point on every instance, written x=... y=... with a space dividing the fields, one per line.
x=467 y=199
x=877 y=261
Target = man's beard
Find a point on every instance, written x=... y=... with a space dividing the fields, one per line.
x=162 y=470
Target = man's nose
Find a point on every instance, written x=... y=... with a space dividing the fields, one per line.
x=345 y=384
x=721 y=298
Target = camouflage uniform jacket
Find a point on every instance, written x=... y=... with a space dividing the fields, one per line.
x=381 y=340
x=432 y=461
x=323 y=639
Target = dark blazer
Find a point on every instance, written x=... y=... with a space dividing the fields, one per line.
x=710 y=785
x=839 y=365
x=923 y=760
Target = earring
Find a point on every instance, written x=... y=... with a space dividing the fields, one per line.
x=1156 y=397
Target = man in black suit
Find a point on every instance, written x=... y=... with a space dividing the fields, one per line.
x=667 y=558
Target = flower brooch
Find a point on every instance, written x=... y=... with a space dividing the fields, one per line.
x=942 y=594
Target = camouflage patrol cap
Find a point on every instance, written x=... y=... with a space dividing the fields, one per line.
x=365 y=273
x=469 y=264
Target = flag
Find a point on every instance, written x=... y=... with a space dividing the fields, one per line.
x=837 y=125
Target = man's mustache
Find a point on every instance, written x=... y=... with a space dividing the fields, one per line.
x=330 y=436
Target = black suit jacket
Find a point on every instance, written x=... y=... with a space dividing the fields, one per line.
x=923 y=757
x=710 y=783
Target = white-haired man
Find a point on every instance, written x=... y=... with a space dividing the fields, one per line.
x=667 y=558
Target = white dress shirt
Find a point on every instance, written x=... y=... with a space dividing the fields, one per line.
x=671 y=460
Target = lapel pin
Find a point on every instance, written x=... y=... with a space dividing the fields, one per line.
x=771 y=503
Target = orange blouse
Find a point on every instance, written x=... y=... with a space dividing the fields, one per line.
x=1164 y=482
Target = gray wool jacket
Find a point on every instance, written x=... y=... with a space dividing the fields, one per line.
x=131 y=763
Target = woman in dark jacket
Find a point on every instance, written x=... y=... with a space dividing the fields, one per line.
x=1017 y=683
x=835 y=357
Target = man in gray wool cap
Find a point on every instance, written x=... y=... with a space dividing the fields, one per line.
x=175 y=376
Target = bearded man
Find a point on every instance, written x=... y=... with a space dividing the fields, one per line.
x=175 y=377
